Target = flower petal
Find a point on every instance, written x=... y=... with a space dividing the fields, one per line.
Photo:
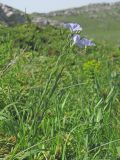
x=76 y=38
x=73 y=27
x=86 y=42
x=81 y=42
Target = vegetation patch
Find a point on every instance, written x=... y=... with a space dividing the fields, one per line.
x=57 y=101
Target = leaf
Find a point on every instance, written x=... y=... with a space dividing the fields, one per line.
x=99 y=115
x=118 y=150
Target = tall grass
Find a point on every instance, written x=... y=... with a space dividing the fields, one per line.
x=55 y=102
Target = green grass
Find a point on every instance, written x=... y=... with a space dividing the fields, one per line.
x=100 y=29
x=57 y=102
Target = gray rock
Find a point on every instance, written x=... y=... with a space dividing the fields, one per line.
x=11 y=16
x=43 y=21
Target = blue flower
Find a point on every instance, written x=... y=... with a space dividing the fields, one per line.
x=76 y=38
x=73 y=27
x=81 y=42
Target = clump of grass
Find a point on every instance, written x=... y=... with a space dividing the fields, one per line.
x=48 y=103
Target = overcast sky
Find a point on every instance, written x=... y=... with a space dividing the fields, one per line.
x=48 y=5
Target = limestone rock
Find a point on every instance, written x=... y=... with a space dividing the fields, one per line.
x=11 y=16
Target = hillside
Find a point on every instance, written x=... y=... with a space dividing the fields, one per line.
x=100 y=21
x=10 y=16
x=92 y=9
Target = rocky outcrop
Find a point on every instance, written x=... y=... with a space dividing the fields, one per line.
x=43 y=21
x=91 y=9
x=11 y=16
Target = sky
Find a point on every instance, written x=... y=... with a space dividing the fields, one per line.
x=44 y=6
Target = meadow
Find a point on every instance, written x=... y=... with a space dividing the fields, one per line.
x=58 y=102
x=103 y=28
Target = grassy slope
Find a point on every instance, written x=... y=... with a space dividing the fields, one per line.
x=57 y=102
x=100 y=29
x=104 y=27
